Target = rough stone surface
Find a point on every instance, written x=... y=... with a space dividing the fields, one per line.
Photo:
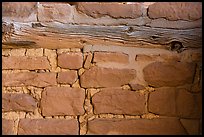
x=158 y=74
x=64 y=100
x=30 y=63
x=118 y=101
x=191 y=125
x=87 y=62
x=7 y=127
x=48 y=127
x=29 y=79
x=106 y=77
x=68 y=77
x=60 y=12
x=20 y=11
x=70 y=60
x=111 y=57
x=18 y=102
x=112 y=9
x=176 y=10
x=175 y=102
x=160 y=126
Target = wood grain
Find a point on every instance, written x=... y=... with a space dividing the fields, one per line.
x=55 y=36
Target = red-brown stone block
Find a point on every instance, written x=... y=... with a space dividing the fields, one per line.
x=70 y=60
x=106 y=77
x=175 y=102
x=158 y=126
x=158 y=74
x=28 y=63
x=68 y=77
x=18 y=102
x=7 y=127
x=62 y=101
x=176 y=10
x=118 y=101
x=112 y=9
x=48 y=127
x=29 y=79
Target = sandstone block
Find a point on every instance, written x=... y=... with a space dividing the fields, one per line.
x=70 y=60
x=157 y=126
x=112 y=9
x=20 y=11
x=48 y=127
x=118 y=101
x=176 y=10
x=158 y=74
x=68 y=77
x=7 y=127
x=106 y=77
x=18 y=102
x=28 y=63
x=29 y=79
x=64 y=100
x=175 y=102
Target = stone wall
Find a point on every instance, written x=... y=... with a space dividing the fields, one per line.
x=102 y=89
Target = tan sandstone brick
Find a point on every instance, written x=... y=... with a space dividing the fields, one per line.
x=70 y=60
x=118 y=101
x=67 y=77
x=106 y=77
x=158 y=74
x=29 y=79
x=111 y=57
x=48 y=127
x=18 y=102
x=157 y=126
x=191 y=125
x=29 y=63
x=64 y=100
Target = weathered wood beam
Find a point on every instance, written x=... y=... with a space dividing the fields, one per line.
x=68 y=36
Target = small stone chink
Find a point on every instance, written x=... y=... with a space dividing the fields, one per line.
x=176 y=46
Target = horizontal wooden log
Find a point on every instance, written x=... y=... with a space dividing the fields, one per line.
x=55 y=36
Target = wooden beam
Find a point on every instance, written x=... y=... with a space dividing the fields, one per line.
x=55 y=36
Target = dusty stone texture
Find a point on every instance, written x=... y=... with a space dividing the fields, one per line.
x=48 y=127
x=118 y=101
x=176 y=10
x=60 y=12
x=67 y=77
x=106 y=77
x=191 y=125
x=18 y=102
x=20 y=11
x=7 y=127
x=64 y=100
x=30 y=63
x=112 y=9
x=111 y=57
x=34 y=52
x=18 y=52
x=157 y=126
x=71 y=60
x=158 y=74
x=175 y=102
x=29 y=79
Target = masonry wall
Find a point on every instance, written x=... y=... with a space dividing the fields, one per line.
x=102 y=89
